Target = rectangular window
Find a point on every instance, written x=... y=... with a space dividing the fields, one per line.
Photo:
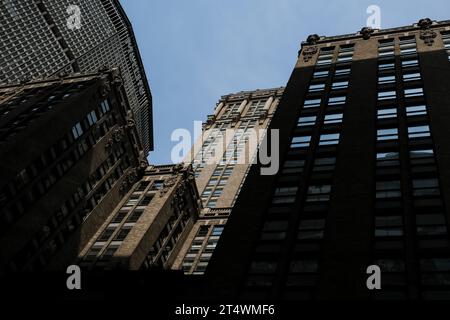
x=342 y=72
x=418 y=132
x=311 y=229
x=312 y=103
x=321 y=74
x=306 y=121
x=337 y=100
x=411 y=76
x=413 y=92
x=386 y=48
x=316 y=87
x=387 y=134
x=387 y=95
x=386 y=66
x=410 y=63
x=426 y=187
x=329 y=139
x=318 y=193
x=285 y=195
x=333 y=118
x=386 y=113
x=340 y=85
x=300 y=142
x=293 y=166
x=417 y=110
x=389 y=226
x=77 y=131
x=386 y=79
x=388 y=189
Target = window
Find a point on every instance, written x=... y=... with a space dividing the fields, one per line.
x=263 y=267
x=92 y=118
x=342 y=72
x=318 y=193
x=408 y=46
x=300 y=142
x=446 y=40
x=435 y=272
x=412 y=76
x=340 y=85
x=386 y=79
x=329 y=139
x=306 y=121
x=105 y=106
x=388 y=159
x=217 y=231
x=311 y=229
x=122 y=234
x=386 y=113
x=333 y=118
x=386 y=66
x=316 y=87
x=418 y=132
x=425 y=187
x=410 y=63
x=293 y=166
x=106 y=234
x=431 y=224
x=337 y=100
x=304 y=266
x=386 y=48
x=285 y=195
x=388 y=189
x=388 y=226
x=387 y=95
x=413 y=92
x=324 y=164
x=345 y=53
x=387 y=134
x=312 y=103
x=77 y=131
x=413 y=111
x=321 y=74
x=325 y=56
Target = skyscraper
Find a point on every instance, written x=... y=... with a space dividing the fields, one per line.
x=69 y=152
x=44 y=38
x=221 y=158
x=364 y=177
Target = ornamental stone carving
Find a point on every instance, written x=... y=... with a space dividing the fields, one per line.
x=366 y=32
x=428 y=37
x=309 y=52
x=312 y=39
x=425 y=23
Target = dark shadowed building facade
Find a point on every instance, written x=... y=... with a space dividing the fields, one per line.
x=69 y=152
x=364 y=177
x=40 y=39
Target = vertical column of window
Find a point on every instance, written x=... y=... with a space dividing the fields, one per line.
x=431 y=230
x=208 y=249
x=446 y=40
x=303 y=268
x=223 y=171
x=191 y=258
x=388 y=244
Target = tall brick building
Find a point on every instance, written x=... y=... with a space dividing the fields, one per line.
x=365 y=177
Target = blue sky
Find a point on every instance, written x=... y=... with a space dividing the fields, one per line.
x=195 y=51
